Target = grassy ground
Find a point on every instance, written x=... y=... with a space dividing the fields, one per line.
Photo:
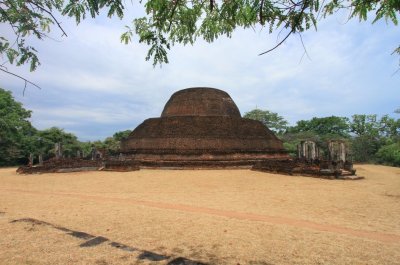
x=210 y=216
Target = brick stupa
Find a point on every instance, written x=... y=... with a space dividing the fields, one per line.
x=202 y=126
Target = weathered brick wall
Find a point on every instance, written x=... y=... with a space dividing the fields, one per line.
x=200 y=101
x=202 y=124
x=207 y=133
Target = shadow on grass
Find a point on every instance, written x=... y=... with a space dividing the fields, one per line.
x=92 y=241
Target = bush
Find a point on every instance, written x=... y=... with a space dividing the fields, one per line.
x=390 y=154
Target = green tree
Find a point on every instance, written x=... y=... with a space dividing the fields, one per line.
x=46 y=140
x=318 y=130
x=364 y=148
x=86 y=148
x=362 y=125
x=366 y=141
x=371 y=139
x=113 y=144
x=119 y=136
x=270 y=119
x=389 y=127
x=371 y=133
x=16 y=131
x=168 y=22
x=183 y=21
x=34 y=18
x=333 y=126
x=389 y=154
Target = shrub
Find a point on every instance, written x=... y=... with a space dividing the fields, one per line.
x=390 y=154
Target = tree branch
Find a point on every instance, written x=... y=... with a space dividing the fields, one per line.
x=261 y=14
x=320 y=9
x=49 y=13
x=293 y=30
x=304 y=47
x=172 y=14
x=279 y=44
x=9 y=20
x=20 y=77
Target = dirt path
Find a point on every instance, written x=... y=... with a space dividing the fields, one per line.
x=382 y=237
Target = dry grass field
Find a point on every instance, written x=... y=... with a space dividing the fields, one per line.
x=208 y=216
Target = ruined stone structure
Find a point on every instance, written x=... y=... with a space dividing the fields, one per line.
x=58 y=150
x=337 y=150
x=308 y=150
x=202 y=128
x=198 y=126
x=310 y=162
x=62 y=165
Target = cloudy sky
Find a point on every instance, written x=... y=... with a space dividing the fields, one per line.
x=93 y=86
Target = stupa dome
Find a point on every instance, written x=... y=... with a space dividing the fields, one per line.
x=200 y=101
x=202 y=125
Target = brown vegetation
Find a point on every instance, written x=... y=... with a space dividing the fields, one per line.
x=210 y=216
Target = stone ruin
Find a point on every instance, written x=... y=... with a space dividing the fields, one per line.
x=203 y=128
x=308 y=150
x=59 y=165
x=311 y=162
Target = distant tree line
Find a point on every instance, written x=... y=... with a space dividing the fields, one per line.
x=19 y=139
x=371 y=139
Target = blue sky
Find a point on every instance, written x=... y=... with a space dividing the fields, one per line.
x=93 y=86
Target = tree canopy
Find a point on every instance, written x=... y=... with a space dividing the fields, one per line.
x=332 y=125
x=19 y=139
x=169 y=22
x=45 y=141
x=372 y=139
x=270 y=119
x=15 y=129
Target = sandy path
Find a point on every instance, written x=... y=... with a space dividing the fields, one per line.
x=382 y=237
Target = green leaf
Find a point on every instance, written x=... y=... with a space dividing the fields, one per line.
x=126 y=37
x=11 y=55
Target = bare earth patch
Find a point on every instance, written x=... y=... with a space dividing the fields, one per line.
x=200 y=216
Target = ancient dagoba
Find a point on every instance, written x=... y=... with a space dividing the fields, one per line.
x=202 y=125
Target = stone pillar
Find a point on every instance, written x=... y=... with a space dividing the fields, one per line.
x=78 y=154
x=331 y=150
x=342 y=152
x=30 y=160
x=337 y=151
x=308 y=150
x=93 y=153
x=312 y=144
x=299 y=151
x=40 y=160
x=58 y=150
